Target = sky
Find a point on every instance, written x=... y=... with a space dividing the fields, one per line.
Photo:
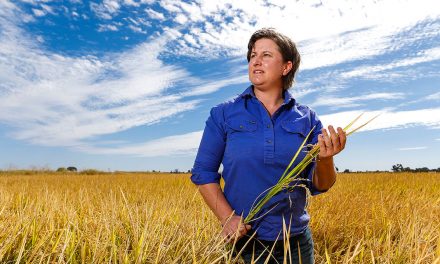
x=128 y=84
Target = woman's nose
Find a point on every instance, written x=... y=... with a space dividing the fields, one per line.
x=256 y=60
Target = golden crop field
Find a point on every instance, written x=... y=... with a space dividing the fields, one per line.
x=161 y=218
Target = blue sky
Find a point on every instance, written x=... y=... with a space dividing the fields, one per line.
x=128 y=84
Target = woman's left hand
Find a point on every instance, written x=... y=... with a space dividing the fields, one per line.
x=331 y=144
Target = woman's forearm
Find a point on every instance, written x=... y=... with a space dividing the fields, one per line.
x=324 y=175
x=215 y=199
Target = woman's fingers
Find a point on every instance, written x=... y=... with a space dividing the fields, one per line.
x=234 y=228
x=331 y=143
x=342 y=137
x=326 y=151
x=335 y=140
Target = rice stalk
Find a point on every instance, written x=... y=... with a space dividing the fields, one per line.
x=288 y=177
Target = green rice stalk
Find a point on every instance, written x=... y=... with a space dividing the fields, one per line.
x=292 y=175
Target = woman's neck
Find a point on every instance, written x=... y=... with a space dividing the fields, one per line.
x=271 y=98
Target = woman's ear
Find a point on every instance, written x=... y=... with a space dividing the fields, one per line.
x=287 y=68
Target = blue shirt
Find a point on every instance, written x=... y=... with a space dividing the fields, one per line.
x=255 y=149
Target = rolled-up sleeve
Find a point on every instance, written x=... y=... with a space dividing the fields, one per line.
x=211 y=150
x=316 y=123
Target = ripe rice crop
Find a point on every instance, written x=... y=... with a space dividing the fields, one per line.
x=161 y=218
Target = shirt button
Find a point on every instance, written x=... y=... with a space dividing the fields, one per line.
x=241 y=126
x=269 y=141
x=268 y=126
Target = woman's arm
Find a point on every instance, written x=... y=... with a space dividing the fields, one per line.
x=215 y=199
x=331 y=144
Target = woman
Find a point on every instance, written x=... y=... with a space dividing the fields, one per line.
x=255 y=136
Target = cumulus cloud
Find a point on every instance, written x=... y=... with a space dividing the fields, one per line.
x=107 y=9
x=154 y=14
x=344 y=32
x=102 y=28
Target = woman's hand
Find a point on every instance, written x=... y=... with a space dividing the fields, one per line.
x=234 y=228
x=331 y=144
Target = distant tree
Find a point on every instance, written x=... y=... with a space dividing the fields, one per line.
x=423 y=169
x=189 y=171
x=72 y=169
x=346 y=171
x=397 y=168
x=91 y=172
x=61 y=169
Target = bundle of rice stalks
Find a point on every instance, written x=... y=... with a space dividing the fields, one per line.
x=292 y=175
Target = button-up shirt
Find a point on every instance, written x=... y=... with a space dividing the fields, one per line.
x=255 y=149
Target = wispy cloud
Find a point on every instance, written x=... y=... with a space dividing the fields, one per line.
x=178 y=145
x=387 y=119
x=372 y=71
x=56 y=100
x=342 y=102
x=434 y=96
x=187 y=144
x=412 y=148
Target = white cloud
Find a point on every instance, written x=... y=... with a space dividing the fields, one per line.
x=345 y=31
x=434 y=96
x=413 y=148
x=102 y=28
x=137 y=29
x=340 y=102
x=185 y=144
x=387 y=119
x=154 y=14
x=38 y=12
x=131 y=3
x=181 y=19
x=371 y=71
x=56 y=100
x=106 y=10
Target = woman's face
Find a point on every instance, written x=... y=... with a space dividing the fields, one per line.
x=266 y=66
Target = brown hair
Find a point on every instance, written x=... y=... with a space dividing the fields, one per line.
x=286 y=47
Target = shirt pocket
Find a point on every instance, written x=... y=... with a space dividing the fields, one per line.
x=241 y=135
x=294 y=132
x=298 y=126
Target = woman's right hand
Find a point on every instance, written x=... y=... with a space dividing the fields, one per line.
x=234 y=228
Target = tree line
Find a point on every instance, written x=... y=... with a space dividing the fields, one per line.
x=399 y=168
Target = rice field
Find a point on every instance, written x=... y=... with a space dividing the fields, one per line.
x=48 y=217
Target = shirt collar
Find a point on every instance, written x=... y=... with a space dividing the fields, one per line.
x=249 y=92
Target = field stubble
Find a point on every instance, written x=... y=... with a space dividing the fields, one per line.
x=161 y=218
